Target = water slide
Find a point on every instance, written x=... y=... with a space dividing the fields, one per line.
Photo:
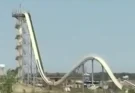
x=35 y=48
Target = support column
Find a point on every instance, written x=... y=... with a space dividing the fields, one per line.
x=102 y=76
x=83 y=78
x=92 y=77
x=31 y=65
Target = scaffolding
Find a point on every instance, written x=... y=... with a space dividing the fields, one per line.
x=25 y=61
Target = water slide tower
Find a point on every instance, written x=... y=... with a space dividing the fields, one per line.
x=25 y=61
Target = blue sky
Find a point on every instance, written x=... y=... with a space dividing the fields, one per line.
x=69 y=29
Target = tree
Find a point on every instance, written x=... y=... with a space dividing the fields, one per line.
x=8 y=80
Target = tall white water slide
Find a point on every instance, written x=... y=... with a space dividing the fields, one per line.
x=27 y=17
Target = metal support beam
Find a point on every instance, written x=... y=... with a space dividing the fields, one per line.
x=83 y=71
x=92 y=77
x=31 y=65
x=102 y=76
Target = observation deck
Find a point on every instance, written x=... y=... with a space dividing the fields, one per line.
x=18 y=14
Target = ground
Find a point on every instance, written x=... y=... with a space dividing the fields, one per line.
x=21 y=88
